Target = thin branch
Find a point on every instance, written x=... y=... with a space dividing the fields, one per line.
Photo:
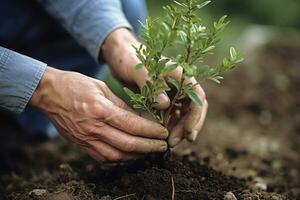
x=125 y=196
x=186 y=191
x=173 y=188
x=168 y=112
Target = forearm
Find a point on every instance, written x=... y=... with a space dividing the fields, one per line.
x=116 y=44
x=118 y=52
x=19 y=77
x=88 y=21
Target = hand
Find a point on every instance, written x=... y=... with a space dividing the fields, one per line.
x=186 y=122
x=87 y=113
x=118 y=52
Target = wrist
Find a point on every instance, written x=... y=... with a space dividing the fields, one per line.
x=37 y=99
x=118 y=53
x=118 y=41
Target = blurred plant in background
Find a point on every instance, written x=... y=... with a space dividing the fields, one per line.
x=268 y=12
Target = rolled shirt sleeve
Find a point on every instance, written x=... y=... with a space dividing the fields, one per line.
x=19 y=77
x=88 y=21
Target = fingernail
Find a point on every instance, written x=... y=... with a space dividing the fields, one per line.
x=193 y=136
x=164 y=147
x=177 y=113
x=174 y=141
x=164 y=132
x=163 y=101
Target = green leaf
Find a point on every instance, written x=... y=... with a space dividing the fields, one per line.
x=162 y=65
x=144 y=91
x=174 y=82
x=130 y=93
x=149 y=84
x=208 y=49
x=170 y=68
x=222 y=19
x=160 y=82
x=183 y=36
x=239 y=60
x=203 y=4
x=221 y=24
x=166 y=26
x=226 y=62
x=180 y=4
x=138 y=106
x=190 y=70
x=233 y=53
x=151 y=72
x=194 y=97
x=216 y=79
x=219 y=77
x=139 y=66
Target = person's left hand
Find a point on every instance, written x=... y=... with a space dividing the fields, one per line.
x=118 y=52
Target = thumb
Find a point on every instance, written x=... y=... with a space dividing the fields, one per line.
x=140 y=77
x=163 y=101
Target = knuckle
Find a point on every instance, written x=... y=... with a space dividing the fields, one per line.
x=102 y=85
x=130 y=145
x=96 y=107
x=122 y=104
x=116 y=156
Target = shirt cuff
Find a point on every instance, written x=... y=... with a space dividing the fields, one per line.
x=19 y=77
x=109 y=28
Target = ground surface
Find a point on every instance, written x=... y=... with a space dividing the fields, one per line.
x=250 y=146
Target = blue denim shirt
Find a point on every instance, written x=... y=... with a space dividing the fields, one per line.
x=88 y=21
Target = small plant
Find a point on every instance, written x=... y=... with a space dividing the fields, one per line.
x=182 y=28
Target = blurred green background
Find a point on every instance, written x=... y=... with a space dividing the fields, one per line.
x=271 y=12
x=282 y=15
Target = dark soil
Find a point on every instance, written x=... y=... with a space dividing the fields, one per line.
x=83 y=178
x=250 y=146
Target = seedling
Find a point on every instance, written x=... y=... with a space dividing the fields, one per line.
x=182 y=27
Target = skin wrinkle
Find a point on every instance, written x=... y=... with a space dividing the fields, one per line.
x=93 y=117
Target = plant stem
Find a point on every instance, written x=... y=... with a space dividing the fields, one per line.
x=186 y=60
x=152 y=113
x=168 y=112
x=188 y=53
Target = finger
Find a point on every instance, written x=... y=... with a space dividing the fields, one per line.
x=162 y=100
x=193 y=135
x=134 y=124
x=96 y=155
x=193 y=116
x=176 y=73
x=109 y=153
x=177 y=134
x=129 y=143
x=140 y=77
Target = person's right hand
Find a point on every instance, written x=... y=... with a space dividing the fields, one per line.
x=118 y=52
x=86 y=112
